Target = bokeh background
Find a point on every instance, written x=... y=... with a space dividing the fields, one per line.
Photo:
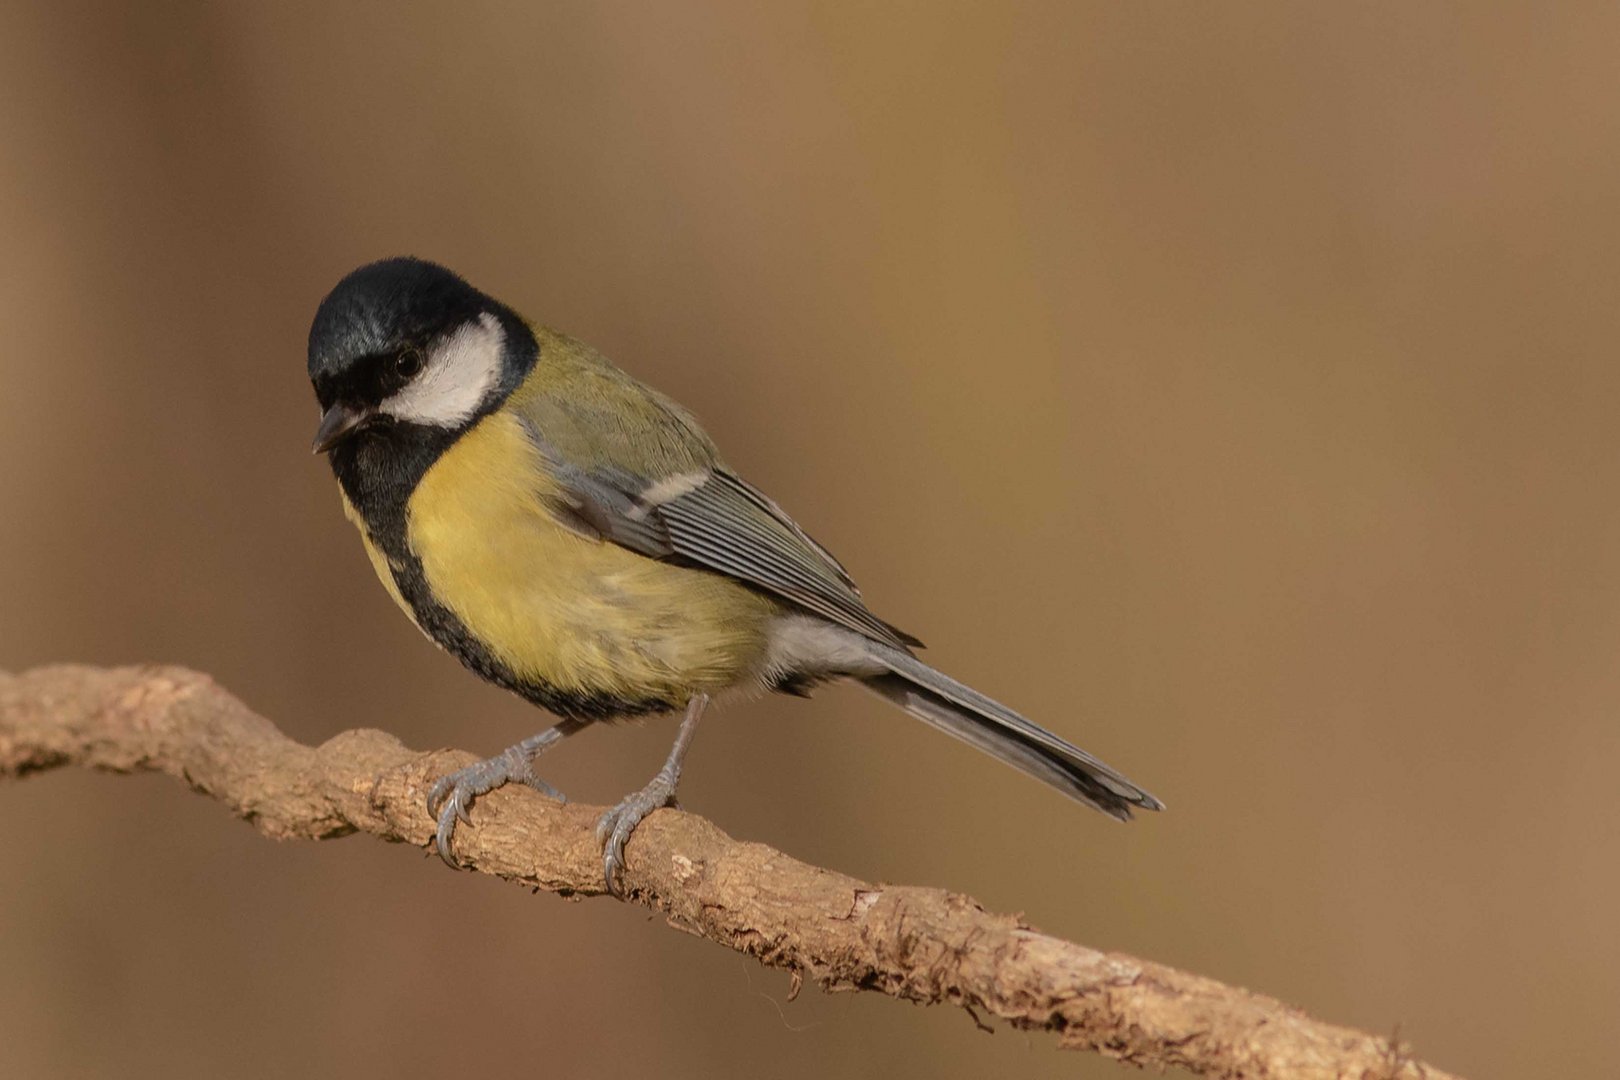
x=1232 y=388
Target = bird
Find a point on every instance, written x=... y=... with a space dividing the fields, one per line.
x=574 y=536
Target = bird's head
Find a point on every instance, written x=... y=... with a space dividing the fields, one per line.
x=405 y=344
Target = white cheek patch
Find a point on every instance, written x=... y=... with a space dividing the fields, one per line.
x=458 y=375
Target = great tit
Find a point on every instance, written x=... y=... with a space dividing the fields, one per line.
x=574 y=536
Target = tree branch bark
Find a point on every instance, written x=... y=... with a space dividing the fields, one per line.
x=916 y=944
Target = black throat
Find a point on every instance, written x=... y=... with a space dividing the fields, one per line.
x=378 y=468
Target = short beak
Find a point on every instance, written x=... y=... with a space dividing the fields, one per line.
x=337 y=424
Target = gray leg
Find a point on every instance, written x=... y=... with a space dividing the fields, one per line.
x=615 y=826
x=454 y=794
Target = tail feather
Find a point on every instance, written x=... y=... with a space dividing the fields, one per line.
x=962 y=712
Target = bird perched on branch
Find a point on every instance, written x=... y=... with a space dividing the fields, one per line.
x=574 y=536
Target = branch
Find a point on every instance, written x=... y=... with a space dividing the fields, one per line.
x=921 y=945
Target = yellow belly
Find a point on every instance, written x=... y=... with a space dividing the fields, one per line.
x=556 y=608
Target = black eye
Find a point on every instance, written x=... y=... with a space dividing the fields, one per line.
x=407 y=363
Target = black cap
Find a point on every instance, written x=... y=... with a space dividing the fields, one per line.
x=387 y=306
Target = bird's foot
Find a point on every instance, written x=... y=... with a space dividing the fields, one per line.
x=614 y=827
x=452 y=796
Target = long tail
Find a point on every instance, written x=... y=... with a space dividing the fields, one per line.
x=961 y=711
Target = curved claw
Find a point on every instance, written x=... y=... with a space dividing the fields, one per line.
x=612 y=851
x=454 y=801
x=438 y=793
x=611 y=865
x=614 y=827
x=441 y=838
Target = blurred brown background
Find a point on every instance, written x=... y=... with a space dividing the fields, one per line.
x=1231 y=390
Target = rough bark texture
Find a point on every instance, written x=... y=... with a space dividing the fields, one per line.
x=922 y=945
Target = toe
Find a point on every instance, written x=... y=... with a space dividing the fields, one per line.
x=544 y=788
x=613 y=851
x=612 y=863
x=441 y=838
x=614 y=830
x=604 y=825
x=438 y=792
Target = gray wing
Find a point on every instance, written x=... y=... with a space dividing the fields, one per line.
x=711 y=518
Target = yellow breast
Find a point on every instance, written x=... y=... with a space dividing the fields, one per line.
x=559 y=609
